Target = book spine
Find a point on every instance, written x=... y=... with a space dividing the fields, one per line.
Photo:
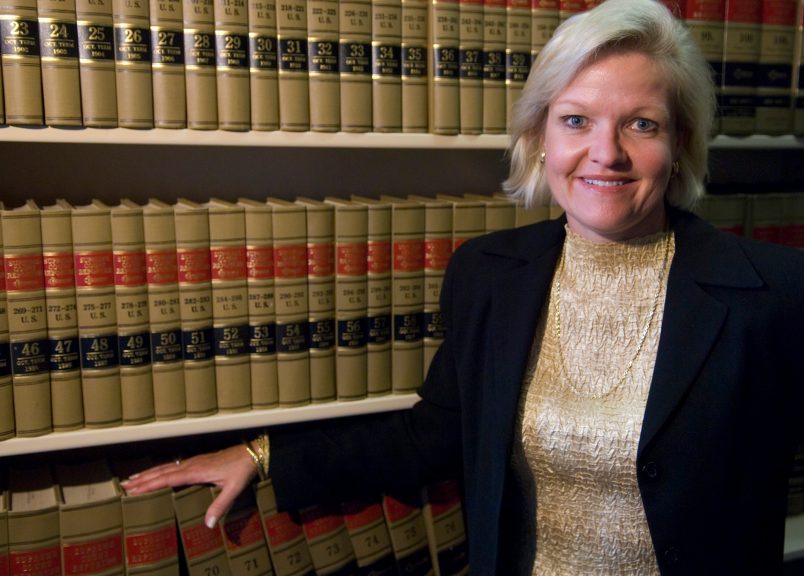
x=2 y=104
x=437 y=252
x=517 y=53
x=199 y=64
x=355 y=65
x=408 y=534
x=365 y=523
x=494 y=39
x=204 y=550
x=794 y=231
x=775 y=103
x=231 y=61
x=569 y=8
x=263 y=80
x=445 y=117
x=705 y=20
x=22 y=79
x=378 y=309
x=58 y=49
x=6 y=388
x=767 y=217
x=132 y=62
x=544 y=21
x=96 y=51
x=414 y=66
x=324 y=68
x=386 y=65
x=471 y=66
x=244 y=539
x=33 y=535
x=330 y=547
x=798 y=69
x=741 y=37
x=294 y=94
x=150 y=541
x=500 y=214
x=167 y=66
x=443 y=517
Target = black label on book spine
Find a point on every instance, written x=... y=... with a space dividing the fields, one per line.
x=132 y=44
x=95 y=42
x=434 y=326
x=262 y=52
x=494 y=65
x=19 y=37
x=740 y=74
x=355 y=58
x=64 y=354
x=98 y=352
x=774 y=101
x=262 y=339
x=471 y=64
x=5 y=359
x=352 y=333
x=414 y=62
x=775 y=76
x=323 y=57
x=59 y=39
x=231 y=50
x=446 y=62
x=379 y=329
x=134 y=349
x=168 y=46
x=517 y=66
x=386 y=60
x=291 y=337
x=408 y=327
x=199 y=49
x=166 y=346
x=231 y=340
x=322 y=334
x=454 y=559
x=416 y=564
x=292 y=55
x=197 y=344
x=30 y=357
x=385 y=566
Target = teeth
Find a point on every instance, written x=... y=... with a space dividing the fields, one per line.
x=604 y=182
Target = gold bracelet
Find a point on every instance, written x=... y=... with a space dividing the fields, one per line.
x=264 y=451
x=256 y=458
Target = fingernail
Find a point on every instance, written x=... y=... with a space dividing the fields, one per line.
x=211 y=521
x=134 y=476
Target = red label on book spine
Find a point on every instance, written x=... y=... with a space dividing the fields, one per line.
x=745 y=11
x=519 y=4
x=359 y=514
x=437 y=253
x=706 y=10
x=94 y=269
x=779 y=12
x=352 y=259
x=228 y=263
x=408 y=255
x=243 y=531
x=93 y=556
x=260 y=262
x=571 y=6
x=290 y=261
x=281 y=529
x=162 y=267
x=378 y=256
x=397 y=510
x=59 y=271
x=130 y=269
x=319 y=521
x=320 y=261
x=24 y=273
x=151 y=547
x=42 y=562
x=194 y=265
x=200 y=540
x=5 y=569
x=544 y=5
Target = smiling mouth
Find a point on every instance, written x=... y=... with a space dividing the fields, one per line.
x=611 y=183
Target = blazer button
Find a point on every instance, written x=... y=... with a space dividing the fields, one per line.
x=650 y=470
x=672 y=555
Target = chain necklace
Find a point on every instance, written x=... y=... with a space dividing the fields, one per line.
x=642 y=336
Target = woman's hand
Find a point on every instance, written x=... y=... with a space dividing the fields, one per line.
x=231 y=469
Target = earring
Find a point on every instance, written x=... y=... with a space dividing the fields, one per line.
x=674 y=168
x=542 y=156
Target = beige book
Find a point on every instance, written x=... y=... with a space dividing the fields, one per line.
x=500 y=213
x=58 y=45
x=494 y=41
x=167 y=364
x=261 y=307
x=793 y=234
x=33 y=521
x=324 y=69
x=403 y=513
x=204 y=551
x=741 y=36
x=368 y=532
x=133 y=319
x=321 y=297
x=471 y=66
x=728 y=213
x=2 y=104
x=444 y=96
x=330 y=547
x=555 y=211
x=200 y=78
x=446 y=531
x=6 y=388
x=355 y=64
x=569 y=8
x=517 y=53
x=132 y=62
x=232 y=69
x=294 y=94
x=378 y=303
x=195 y=307
x=386 y=65
x=22 y=79
x=468 y=218
x=244 y=539
x=263 y=79
x=62 y=317
x=5 y=567
x=27 y=319
x=227 y=254
x=705 y=19
x=767 y=217
x=97 y=315
x=774 y=92
x=544 y=21
x=415 y=74
x=167 y=66
x=524 y=216
x=289 y=222
x=351 y=298
x=798 y=74
x=96 y=50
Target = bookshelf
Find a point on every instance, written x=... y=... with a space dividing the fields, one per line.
x=794 y=538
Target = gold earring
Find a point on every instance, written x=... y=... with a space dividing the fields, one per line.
x=674 y=168
x=542 y=156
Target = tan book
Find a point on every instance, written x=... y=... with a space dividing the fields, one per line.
x=294 y=92
x=468 y=218
x=291 y=302
x=544 y=21
x=167 y=66
x=444 y=97
x=386 y=65
x=446 y=531
x=6 y=389
x=244 y=539
x=58 y=45
x=204 y=550
x=741 y=36
x=403 y=514
x=368 y=532
x=569 y=8
x=33 y=522
x=2 y=104
x=167 y=364
x=27 y=319
x=793 y=233
x=133 y=319
x=767 y=217
x=415 y=74
x=22 y=79
x=96 y=50
x=132 y=63
x=261 y=307
x=728 y=213
x=775 y=103
x=705 y=19
x=5 y=567
x=195 y=307
x=517 y=53
x=232 y=68
x=200 y=78
x=494 y=43
x=555 y=211
x=355 y=64
x=500 y=214
x=471 y=66
x=97 y=316
x=263 y=78
x=324 y=68
x=330 y=547
x=62 y=317
x=227 y=254
x=524 y=216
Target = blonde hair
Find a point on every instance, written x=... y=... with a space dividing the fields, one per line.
x=644 y=26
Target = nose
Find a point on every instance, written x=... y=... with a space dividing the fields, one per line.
x=606 y=147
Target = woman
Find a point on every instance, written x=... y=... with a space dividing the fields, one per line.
x=620 y=388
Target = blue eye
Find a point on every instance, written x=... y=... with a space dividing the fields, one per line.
x=644 y=125
x=575 y=121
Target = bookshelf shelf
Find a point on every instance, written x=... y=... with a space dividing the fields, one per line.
x=794 y=538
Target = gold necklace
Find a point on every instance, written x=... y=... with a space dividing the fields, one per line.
x=642 y=337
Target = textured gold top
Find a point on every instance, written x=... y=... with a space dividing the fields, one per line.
x=580 y=436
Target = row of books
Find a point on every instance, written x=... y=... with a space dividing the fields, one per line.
x=76 y=519
x=446 y=66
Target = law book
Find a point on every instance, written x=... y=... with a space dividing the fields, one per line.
x=167 y=363
x=793 y=233
x=96 y=51
x=132 y=63
x=261 y=307
x=500 y=214
x=415 y=75
x=195 y=307
x=227 y=256
x=705 y=21
x=728 y=213
x=290 y=554
x=2 y=104
x=798 y=70
x=522 y=215
x=27 y=319
x=446 y=530
x=289 y=222
x=403 y=514
x=204 y=550
x=167 y=65
x=444 y=95
x=5 y=567
x=494 y=42
x=767 y=217
x=263 y=79
x=133 y=318
x=741 y=36
x=321 y=298
x=22 y=78
x=379 y=292
x=775 y=103
x=351 y=298
x=544 y=21
x=324 y=67
x=33 y=522
x=243 y=537
x=97 y=317
x=58 y=49
x=386 y=65
x=470 y=75
x=294 y=92
x=62 y=317
x=468 y=218
x=231 y=64
x=517 y=53
x=200 y=80
x=326 y=534
x=368 y=532
x=354 y=47
x=6 y=388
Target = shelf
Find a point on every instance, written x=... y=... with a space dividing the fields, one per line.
x=794 y=538
x=188 y=426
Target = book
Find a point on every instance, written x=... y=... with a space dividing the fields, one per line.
x=27 y=319
x=355 y=65
x=167 y=64
x=294 y=92
x=167 y=363
x=524 y=216
x=470 y=74
x=403 y=513
x=414 y=71
x=58 y=52
x=741 y=37
x=517 y=53
x=446 y=530
x=705 y=19
x=243 y=537
x=767 y=217
x=263 y=80
x=568 y=8
x=2 y=105
x=330 y=547
x=6 y=388
x=204 y=550
x=468 y=218
x=365 y=523
x=798 y=70
x=494 y=43
x=544 y=21
x=793 y=233
x=132 y=63
x=22 y=78
x=33 y=522
x=96 y=63
x=386 y=65
x=227 y=255
x=201 y=83
x=232 y=65
x=728 y=213
x=500 y=214
x=324 y=67
x=774 y=91
x=445 y=73
x=196 y=307
x=62 y=317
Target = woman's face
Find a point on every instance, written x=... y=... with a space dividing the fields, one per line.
x=610 y=141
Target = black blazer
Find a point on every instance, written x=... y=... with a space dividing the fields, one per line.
x=724 y=414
